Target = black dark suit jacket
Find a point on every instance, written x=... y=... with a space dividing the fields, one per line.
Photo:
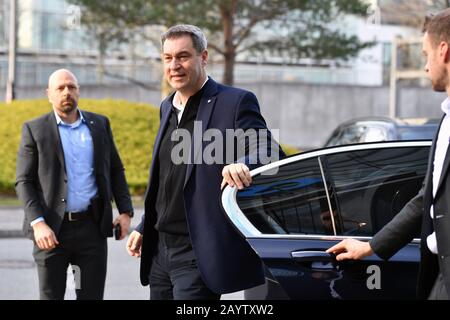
x=416 y=215
x=41 y=180
x=225 y=259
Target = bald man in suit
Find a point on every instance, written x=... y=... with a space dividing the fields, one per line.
x=68 y=171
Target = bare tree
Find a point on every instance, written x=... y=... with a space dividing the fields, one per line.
x=304 y=26
x=409 y=12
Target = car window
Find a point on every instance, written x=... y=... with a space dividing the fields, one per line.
x=293 y=201
x=373 y=185
x=365 y=188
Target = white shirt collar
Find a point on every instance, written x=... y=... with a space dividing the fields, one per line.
x=181 y=107
x=445 y=106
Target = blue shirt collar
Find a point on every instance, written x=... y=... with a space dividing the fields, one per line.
x=59 y=121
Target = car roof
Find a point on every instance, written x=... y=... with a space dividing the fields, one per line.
x=394 y=121
x=399 y=126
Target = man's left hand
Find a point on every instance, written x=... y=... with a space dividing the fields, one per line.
x=236 y=174
x=124 y=220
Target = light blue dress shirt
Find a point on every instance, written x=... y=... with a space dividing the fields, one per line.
x=78 y=151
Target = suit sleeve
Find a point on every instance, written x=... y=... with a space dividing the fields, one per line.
x=256 y=143
x=27 y=184
x=119 y=184
x=140 y=227
x=400 y=230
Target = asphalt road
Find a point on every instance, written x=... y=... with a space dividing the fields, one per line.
x=18 y=274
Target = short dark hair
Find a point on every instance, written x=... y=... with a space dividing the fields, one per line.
x=198 y=37
x=438 y=27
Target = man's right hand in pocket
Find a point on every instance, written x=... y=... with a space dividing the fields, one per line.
x=44 y=236
x=134 y=244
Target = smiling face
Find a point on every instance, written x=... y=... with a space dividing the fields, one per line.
x=436 y=65
x=184 y=67
x=63 y=91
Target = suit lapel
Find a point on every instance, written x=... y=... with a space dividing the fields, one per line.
x=205 y=109
x=96 y=138
x=56 y=139
x=428 y=191
x=446 y=163
x=166 y=108
x=444 y=169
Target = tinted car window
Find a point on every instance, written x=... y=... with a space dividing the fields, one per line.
x=366 y=189
x=291 y=202
x=373 y=185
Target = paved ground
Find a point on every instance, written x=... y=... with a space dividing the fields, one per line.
x=18 y=275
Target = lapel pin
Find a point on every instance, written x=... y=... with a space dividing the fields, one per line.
x=209 y=100
x=91 y=122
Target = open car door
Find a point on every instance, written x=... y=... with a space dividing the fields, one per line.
x=300 y=206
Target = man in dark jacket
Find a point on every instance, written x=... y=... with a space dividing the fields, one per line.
x=68 y=170
x=430 y=209
x=189 y=248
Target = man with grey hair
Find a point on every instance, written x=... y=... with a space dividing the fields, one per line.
x=189 y=249
x=68 y=170
x=198 y=38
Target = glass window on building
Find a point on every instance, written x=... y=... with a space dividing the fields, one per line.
x=48 y=25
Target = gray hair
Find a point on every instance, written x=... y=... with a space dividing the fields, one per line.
x=198 y=37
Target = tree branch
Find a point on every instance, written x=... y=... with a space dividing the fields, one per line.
x=216 y=48
x=244 y=32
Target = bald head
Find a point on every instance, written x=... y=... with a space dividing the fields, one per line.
x=61 y=73
x=63 y=93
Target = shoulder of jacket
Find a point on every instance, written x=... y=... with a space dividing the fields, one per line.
x=96 y=116
x=232 y=91
x=35 y=122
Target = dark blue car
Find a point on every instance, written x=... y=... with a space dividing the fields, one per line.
x=298 y=207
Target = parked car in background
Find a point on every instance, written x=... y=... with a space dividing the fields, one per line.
x=372 y=129
x=300 y=206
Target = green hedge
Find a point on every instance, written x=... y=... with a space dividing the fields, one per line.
x=290 y=150
x=134 y=127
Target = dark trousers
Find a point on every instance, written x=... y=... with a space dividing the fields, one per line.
x=439 y=291
x=81 y=245
x=174 y=274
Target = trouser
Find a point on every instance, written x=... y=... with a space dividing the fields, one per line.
x=83 y=246
x=439 y=291
x=174 y=274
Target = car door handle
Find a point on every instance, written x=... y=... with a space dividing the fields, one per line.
x=313 y=256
